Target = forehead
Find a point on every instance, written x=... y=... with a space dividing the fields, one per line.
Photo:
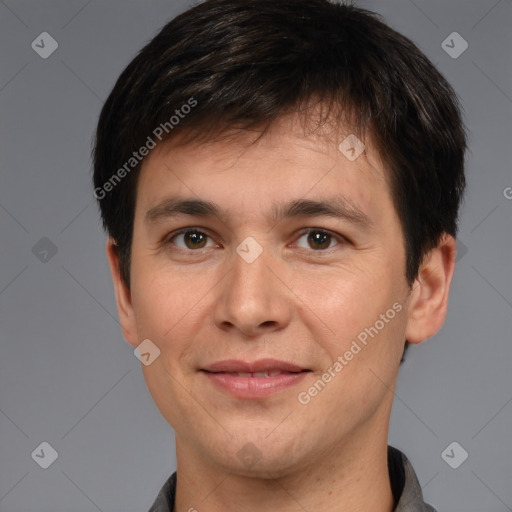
x=284 y=162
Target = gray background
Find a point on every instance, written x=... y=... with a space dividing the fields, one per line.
x=67 y=377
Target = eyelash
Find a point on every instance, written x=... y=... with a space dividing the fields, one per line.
x=168 y=240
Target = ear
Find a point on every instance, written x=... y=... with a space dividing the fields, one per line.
x=123 y=295
x=429 y=297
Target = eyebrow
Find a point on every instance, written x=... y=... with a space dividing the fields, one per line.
x=338 y=207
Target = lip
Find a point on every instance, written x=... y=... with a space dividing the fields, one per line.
x=224 y=375
x=261 y=365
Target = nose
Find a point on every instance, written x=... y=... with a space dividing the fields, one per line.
x=252 y=297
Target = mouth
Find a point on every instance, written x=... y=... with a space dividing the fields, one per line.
x=251 y=380
x=259 y=368
x=265 y=374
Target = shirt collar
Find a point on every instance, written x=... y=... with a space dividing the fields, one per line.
x=410 y=498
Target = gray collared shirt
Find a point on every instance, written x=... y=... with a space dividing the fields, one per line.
x=404 y=483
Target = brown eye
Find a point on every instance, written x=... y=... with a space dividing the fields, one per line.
x=195 y=240
x=318 y=240
x=190 y=239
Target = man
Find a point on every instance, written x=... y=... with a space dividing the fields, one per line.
x=280 y=182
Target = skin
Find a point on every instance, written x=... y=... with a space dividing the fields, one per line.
x=299 y=301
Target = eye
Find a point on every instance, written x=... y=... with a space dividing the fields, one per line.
x=318 y=239
x=189 y=239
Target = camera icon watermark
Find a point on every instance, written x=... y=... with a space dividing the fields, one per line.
x=454 y=45
x=351 y=147
x=507 y=192
x=454 y=455
x=462 y=250
x=146 y=352
x=44 y=250
x=44 y=455
x=249 y=250
x=249 y=455
x=44 y=45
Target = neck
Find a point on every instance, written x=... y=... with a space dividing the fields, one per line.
x=353 y=477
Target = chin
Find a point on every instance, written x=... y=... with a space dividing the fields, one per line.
x=264 y=468
x=260 y=456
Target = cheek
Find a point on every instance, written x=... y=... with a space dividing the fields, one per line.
x=163 y=298
x=339 y=304
x=171 y=309
x=167 y=310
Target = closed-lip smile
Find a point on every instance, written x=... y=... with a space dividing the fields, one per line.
x=256 y=379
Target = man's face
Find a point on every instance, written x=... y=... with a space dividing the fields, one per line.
x=209 y=300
